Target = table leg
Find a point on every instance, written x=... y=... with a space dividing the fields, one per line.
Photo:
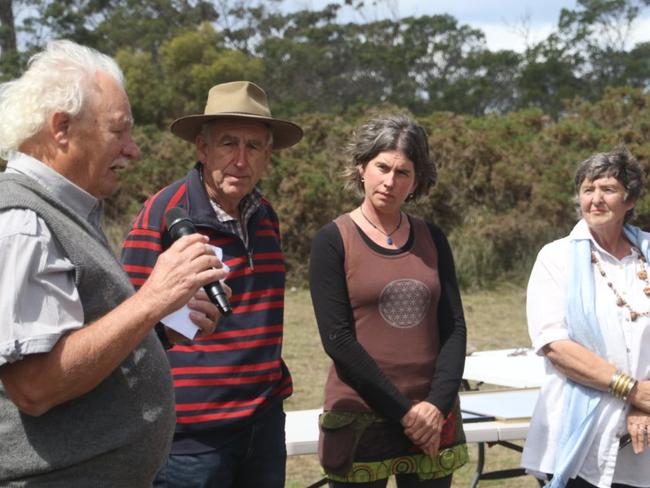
x=499 y=474
x=480 y=463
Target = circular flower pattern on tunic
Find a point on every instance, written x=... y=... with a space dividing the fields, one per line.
x=404 y=303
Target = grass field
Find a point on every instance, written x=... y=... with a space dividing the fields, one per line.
x=495 y=320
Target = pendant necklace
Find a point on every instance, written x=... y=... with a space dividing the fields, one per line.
x=642 y=274
x=389 y=239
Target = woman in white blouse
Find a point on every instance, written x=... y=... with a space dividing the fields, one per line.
x=588 y=307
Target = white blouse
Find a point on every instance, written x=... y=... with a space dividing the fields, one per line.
x=628 y=348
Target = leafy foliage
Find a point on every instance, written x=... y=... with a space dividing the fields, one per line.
x=308 y=61
x=505 y=183
x=188 y=66
x=506 y=128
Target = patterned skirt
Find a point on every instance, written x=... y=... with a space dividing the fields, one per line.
x=358 y=447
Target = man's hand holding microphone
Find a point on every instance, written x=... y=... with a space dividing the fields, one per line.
x=187 y=273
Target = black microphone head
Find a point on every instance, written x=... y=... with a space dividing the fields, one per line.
x=178 y=223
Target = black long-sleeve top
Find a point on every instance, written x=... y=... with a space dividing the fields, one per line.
x=336 y=325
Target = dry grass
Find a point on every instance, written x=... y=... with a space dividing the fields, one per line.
x=495 y=320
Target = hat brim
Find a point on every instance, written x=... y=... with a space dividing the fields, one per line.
x=285 y=133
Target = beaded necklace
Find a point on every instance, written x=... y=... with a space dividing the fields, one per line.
x=389 y=239
x=642 y=274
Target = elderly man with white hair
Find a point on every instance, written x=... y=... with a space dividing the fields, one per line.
x=85 y=390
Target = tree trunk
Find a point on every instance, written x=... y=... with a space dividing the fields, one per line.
x=7 y=29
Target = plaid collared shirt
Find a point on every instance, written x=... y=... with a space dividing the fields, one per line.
x=247 y=207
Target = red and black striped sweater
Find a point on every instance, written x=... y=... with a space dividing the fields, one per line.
x=228 y=378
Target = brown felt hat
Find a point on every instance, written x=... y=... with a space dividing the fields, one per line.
x=238 y=100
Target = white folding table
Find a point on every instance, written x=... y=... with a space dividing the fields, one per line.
x=513 y=368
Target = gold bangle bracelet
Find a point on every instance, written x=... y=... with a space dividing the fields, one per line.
x=628 y=390
x=622 y=386
x=618 y=385
x=625 y=386
x=615 y=377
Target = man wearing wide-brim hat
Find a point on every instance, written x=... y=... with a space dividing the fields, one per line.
x=230 y=385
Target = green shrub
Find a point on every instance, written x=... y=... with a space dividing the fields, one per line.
x=505 y=182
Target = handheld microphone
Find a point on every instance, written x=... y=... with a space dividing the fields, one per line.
x=179 y=225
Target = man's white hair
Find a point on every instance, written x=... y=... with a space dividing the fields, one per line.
x=58 y=79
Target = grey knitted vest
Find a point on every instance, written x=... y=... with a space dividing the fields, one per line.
x=119 y=433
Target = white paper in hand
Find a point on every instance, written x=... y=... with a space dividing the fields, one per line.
x=180 y=320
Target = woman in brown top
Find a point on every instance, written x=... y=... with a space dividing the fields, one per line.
x=390 y=316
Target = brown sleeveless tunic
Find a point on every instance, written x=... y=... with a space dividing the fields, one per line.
x=394 y=301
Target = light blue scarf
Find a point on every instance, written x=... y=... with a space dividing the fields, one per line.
x=582 y=404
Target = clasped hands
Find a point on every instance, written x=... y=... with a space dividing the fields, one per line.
x=423 y=425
